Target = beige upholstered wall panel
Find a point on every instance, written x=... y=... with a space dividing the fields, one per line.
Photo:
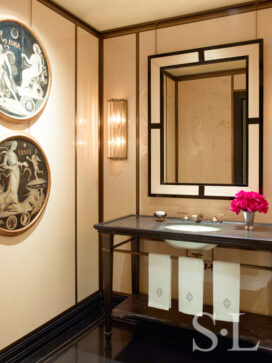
x=38 y=267
x=87 y=163
x=18 y=9
x=120 y=175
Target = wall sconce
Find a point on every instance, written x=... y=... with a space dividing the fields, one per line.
x=117 y=129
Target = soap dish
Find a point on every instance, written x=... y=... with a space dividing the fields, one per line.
x=160 y=215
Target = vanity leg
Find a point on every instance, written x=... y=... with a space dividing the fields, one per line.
x=135 y=266
x=108 y=272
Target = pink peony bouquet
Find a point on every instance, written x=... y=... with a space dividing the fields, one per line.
x=249 y=201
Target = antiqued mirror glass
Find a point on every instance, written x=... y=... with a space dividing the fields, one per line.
x=205 y=121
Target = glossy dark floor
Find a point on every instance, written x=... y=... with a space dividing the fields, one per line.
x=141 y=347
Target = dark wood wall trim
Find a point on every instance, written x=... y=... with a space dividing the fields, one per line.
x=169 y=75
x=155 y=126
x=253 y=120
x=67 y=15
x=76 y=120
x=211 y=74
x=137 y=124
x=261 y=130
x=176 y=131
x=101 y=154
x=190 y=18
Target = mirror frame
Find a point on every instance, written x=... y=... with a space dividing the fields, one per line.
x=251 y=50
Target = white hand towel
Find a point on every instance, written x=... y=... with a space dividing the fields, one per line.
x=190 y=282
x=159 y=281
x=226 y=291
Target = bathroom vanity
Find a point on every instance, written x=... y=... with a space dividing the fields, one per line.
x=134 y=309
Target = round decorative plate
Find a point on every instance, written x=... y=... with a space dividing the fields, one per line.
x=25 y=182
x=25 y=75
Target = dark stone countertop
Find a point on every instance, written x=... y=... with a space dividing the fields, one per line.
x=231 y=234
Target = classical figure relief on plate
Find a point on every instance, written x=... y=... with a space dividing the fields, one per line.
x=24 y=183
x=24 y=72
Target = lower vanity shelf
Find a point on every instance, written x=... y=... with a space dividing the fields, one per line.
x=252 y=327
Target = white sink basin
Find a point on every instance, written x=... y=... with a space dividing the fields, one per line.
x=191 y=228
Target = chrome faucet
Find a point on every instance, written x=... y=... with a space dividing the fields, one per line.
x=197 y=217
x=185 y=217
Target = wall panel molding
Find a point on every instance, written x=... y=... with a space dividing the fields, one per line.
x=67 y=15
x=190 y=18
x=162 y=23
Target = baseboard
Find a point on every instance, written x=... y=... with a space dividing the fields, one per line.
x=23 y=348
x=89 y=310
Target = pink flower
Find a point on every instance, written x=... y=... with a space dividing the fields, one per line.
x=235 y=207
x=240 y=194
x=249 y=201
x=252 y=206
x=263 y=208
x=243 y=203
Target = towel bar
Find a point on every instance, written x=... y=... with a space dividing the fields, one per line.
x=208 y=264
x=124 y=242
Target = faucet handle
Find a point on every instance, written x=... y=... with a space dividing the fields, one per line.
x=186 y=216
x=216 y=218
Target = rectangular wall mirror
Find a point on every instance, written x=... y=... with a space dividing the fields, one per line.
x=205 y=121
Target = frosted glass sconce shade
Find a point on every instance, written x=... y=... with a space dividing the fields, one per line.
x=117 y=129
